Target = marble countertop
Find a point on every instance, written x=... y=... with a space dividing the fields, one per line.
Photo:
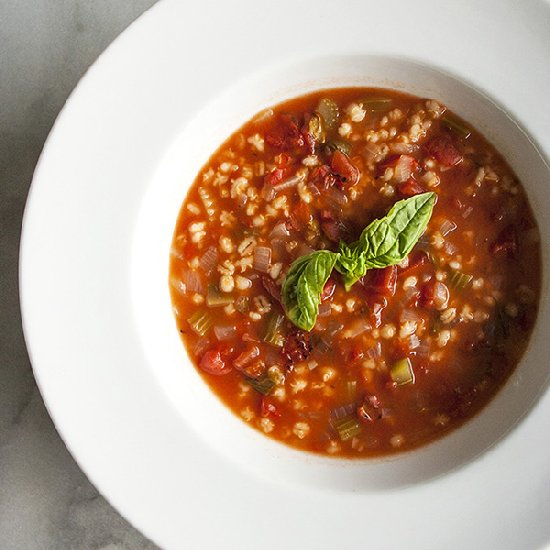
x=46 y=502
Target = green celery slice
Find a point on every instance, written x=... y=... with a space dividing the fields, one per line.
x=201 y=322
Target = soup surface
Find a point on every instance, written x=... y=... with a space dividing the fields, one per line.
x=421 y=340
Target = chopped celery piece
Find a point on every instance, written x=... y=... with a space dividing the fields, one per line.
x=401 y=372
x=263 y=385
x=377 y=103
x=342 y=146
x=201 y=322
x=273 y=334
x=456 y=126
x=316 y=127
x=459 y=280
x=328 y=110
x=347 y=427
x=216 y=298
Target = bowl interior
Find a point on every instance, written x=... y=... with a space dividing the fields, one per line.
x=200 y=409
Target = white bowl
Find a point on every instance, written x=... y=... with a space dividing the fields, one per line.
x=94 y=276
x=189 y=394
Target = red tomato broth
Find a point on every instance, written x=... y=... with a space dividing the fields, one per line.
x=331 y=391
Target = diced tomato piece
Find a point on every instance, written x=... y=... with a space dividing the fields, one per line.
x=328 y=290
x=268 y=408
x=383 y=281
x=322 y=176
x=443 y=149
x=297 y=345
x=507 y=241
x=427 y=294
x=415 y=259
x=342 y=166
x=212 y=363
x=285 y=134
x=410 y=188
x=275 y=177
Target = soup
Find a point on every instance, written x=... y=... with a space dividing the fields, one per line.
x=355 y=272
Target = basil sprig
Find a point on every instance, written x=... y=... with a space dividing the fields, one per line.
x=382 y=243
x=302 y=287
x=386 y=241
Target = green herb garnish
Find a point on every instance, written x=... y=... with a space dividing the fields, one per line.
x=382 y=243
x=302 y=287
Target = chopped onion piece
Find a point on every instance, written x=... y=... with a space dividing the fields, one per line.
x=313 y=189
x=423 y=349
x=225 y=333
x=467 y=212
x=325 y=309
x=192 y=281
x=403 y=168
x=209 y=259
x=246 y=357
x=414 y=341
x=311 y=365
x=177 y=253
x=333 y=327
x=410 y=293
x=201 y=346
x=279 y=231
x=358 y=327
x=179 y=285
x=268 y=193
x=262 y=258
x=447 y=227
x=409 y=314
x=302 y=249
x=400 y=148
x=375 y=352
x=441 y=295
x=342 y=412
x=287 y=184
x=450 y=248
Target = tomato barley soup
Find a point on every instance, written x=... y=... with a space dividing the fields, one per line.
x=438 y=309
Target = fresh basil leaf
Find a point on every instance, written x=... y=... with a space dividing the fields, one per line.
x=351 y=263
x=389 y=240
x=303 y=285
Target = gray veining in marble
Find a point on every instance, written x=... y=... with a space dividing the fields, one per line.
x=46 y=502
